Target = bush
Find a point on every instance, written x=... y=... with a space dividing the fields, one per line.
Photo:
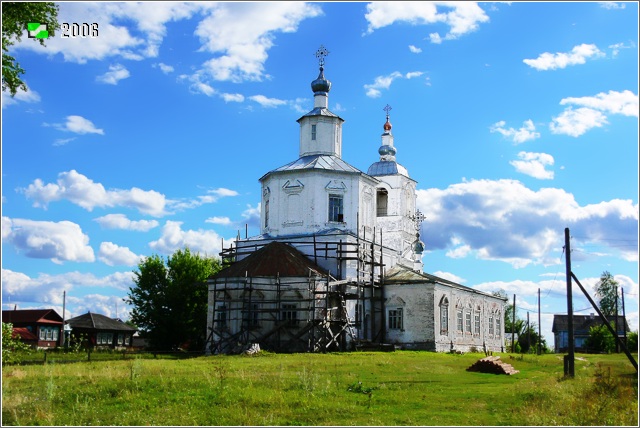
x=600 y=340
x=12 y=347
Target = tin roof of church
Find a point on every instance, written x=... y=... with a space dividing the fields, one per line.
x=387 y=168
x=323 y=162
x=402 y=275
x=275 y=258
x=321 y=111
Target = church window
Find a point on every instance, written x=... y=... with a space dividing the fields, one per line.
x=221 y=317
x=266 y=213
x=313 y=132
x=382 y=202
x=498 y=326
x=251 y=316
x=491 y=325
x=467 y=321
x=335 y=208
x=395 y=319
x=459 y=321
x=290 y=314
x=477 y=324
x=444 y=317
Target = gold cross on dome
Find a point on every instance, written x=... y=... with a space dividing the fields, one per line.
x=320 y=54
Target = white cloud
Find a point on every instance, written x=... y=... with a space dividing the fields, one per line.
x=174 y=238
x=120 y=221
x=534 y=164
x=504 y=220
x=58 y=241
x=225 y=221
x=241 y=34
x=114 y=75
x=115 y=40
x=518 y=136
x=252 y=216
x=267 y=102
x=166 y=69
x=578 y=55
x=77 y=125
x=62 y=141
x=591 y=113
x=612 y=5
x=28 y=96
x=236 y=98
x=84 y=192
x=414 y=49
x=112 y=254
x=449 y=276
x=577 y=122
x=384 y=82
x=48 y=289
x=615 y=48
x=212 y=196
x=612 y=102
x=460 y=17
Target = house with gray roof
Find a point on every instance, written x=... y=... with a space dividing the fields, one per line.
x=101 y=332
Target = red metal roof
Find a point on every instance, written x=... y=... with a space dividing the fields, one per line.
x=24 y=334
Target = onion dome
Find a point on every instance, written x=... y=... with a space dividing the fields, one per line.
x=321 y=85
x=386 y=150
x=418 y=245
x=387 y=125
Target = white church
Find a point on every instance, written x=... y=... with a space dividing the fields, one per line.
x=338 y=262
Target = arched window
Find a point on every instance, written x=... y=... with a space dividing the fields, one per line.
x=444 y=316
x=382 y=201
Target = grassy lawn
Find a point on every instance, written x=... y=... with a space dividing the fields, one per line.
x=364 y=388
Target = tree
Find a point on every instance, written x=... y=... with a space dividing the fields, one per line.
x=11 y=345
x=600 y=339
x=518 y=324
x=632 y=341
x=529 y=339
x=15 y=16
x=170 y=299
x=607 y=294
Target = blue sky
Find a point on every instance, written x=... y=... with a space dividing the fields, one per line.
x=516 y=119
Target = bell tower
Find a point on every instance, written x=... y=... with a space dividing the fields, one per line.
x=320 y=129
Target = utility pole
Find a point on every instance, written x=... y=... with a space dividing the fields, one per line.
x=64 y=302
x=539 y=334
x=624 y=318
x=513 y=323
x=528 y=332
x=617 y=329
x=569 y=360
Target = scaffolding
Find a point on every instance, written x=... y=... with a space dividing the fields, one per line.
x=319 y=313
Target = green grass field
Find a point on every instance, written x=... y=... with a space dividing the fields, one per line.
x=363 y=388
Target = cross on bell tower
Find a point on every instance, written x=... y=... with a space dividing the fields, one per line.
x=321 y=53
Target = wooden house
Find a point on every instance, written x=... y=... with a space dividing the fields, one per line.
x=40 y=328
x=101 y=331
x=581 y=326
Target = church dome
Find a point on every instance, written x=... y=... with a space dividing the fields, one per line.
x=386 y=150
x=418 y=247
x=387 y=125
x=321 y=84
